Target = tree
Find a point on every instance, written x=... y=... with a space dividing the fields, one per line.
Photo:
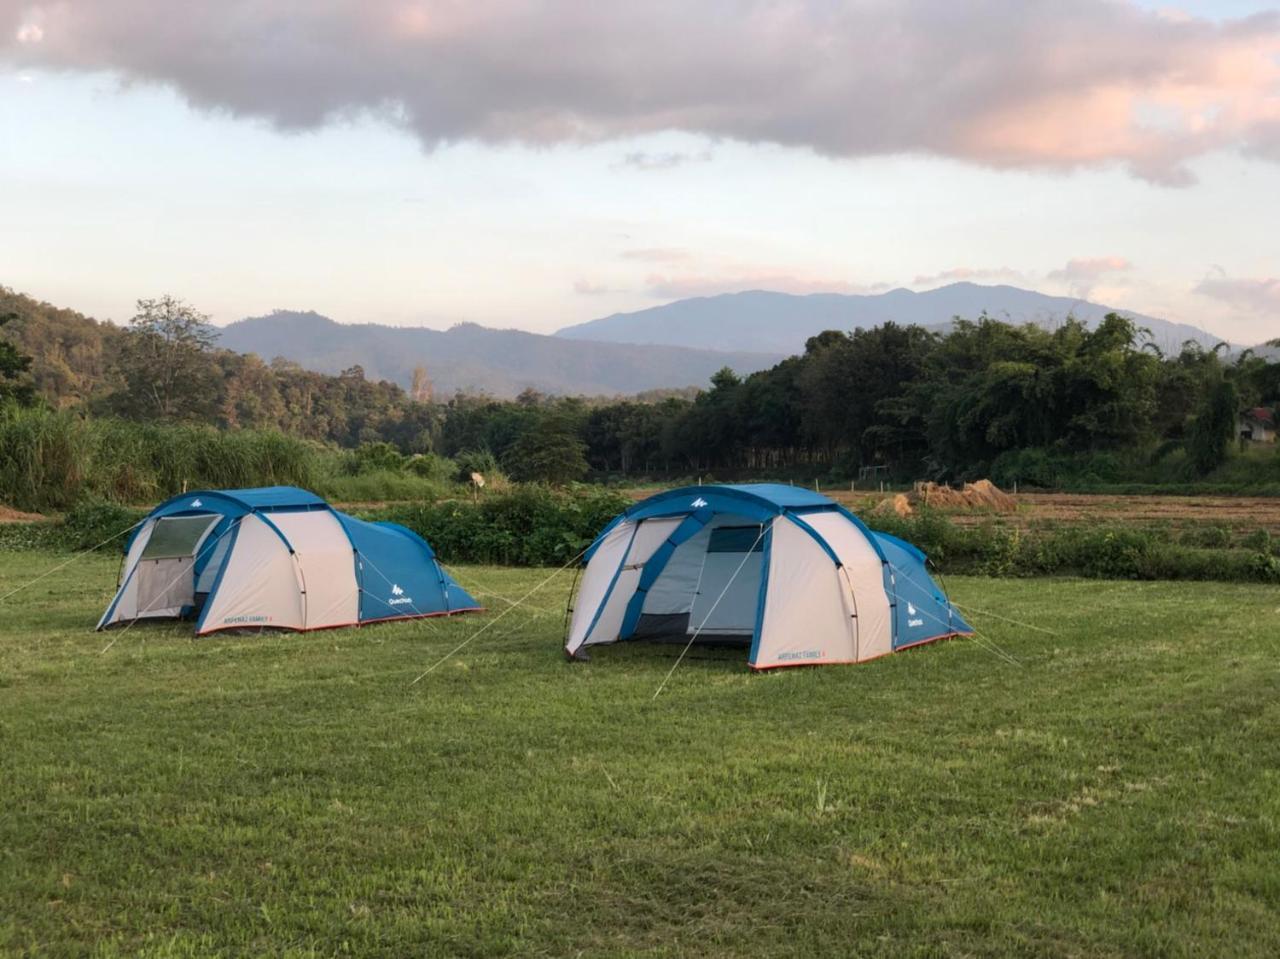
x=14 y=384
x=1214 y=428
x=421 y=391
x=166 y=363
x=549 y=452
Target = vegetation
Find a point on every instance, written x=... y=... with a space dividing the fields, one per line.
x=1071 y=408
x=53 y=459
x=530 y=526
x=1114 y=793
x=1100 y=549
x=14 y=387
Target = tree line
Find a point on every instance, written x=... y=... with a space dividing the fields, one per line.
x=984 y=397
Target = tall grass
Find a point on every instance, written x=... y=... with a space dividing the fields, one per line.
x=50 y=459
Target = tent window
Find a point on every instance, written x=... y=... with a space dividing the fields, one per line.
x=175 y=536
x=735 y=539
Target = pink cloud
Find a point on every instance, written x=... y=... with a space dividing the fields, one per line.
x=1036 y=84
x=1081 y=276
x=1252 y=295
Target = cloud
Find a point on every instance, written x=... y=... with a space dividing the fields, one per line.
x=29 y=33
x=1081 y=276
x=687 y=285
x=587 y=288
x=640 y=160
x=1037 y=84
x=1251 y=295
x=967 y=274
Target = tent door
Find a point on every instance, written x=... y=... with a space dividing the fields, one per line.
x=165 y=586
x=728 y=589
x=166 y=569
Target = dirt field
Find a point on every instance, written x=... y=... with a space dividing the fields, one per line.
x=10 y=515
x=1234 y=512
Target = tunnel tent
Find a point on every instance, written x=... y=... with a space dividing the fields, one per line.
x=276 y=557
x=781 y=569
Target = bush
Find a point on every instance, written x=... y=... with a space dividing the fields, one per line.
x=1260 y=541
x=93 y=522
x=1100 y=552
x=439 y=469
x=529 y=526
x=373 y=458
x=1206 y=537
x=475 y=461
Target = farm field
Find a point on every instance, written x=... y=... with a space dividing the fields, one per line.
x=1113 y=790
x=1231 y=512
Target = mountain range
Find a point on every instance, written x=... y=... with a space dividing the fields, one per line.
x=770 y=322
x=676 y=345
x=478 y=359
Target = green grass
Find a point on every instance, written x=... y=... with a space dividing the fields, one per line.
x=1115 y=794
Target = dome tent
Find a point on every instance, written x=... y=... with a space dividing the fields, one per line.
x=783 y=568
x=276 y=557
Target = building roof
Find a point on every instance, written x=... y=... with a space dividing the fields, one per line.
x=1261 y=414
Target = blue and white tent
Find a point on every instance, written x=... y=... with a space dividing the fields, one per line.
x=783 y=568
x=276 y=557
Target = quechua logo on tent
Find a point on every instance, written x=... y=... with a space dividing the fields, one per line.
x=398 y=598
x=698 y=503
x=911 y=611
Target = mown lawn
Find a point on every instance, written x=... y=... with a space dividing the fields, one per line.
x=1116 y=792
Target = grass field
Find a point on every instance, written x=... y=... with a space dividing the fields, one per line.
x=1116 y=792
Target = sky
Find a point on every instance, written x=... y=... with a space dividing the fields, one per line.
x=534 y=164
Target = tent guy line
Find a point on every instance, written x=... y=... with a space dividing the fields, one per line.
x=497 y=618
x=65 y=564
x=391 y=583
x=1014 y=622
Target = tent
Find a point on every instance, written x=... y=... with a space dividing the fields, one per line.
x=277 y=557
x=782 y=568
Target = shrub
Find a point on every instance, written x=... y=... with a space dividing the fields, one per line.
x=432 y=466
x=529 y=526
x=374 y=458
x=93 y=521
x=1206 y=537
x=1260 y=541
x=1099 y=551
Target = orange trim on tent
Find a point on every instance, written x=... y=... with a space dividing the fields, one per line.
x=366 y=622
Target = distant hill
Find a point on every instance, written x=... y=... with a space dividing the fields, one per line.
x=475 y=358
x=781 y=322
